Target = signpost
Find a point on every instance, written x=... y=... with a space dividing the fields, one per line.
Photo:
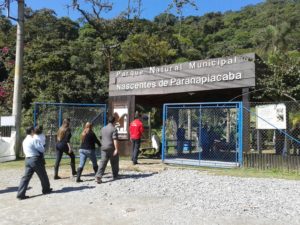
x=271 y=117
x=17 y=97
x=7 y=121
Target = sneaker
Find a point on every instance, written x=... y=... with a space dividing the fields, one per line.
x=79 y=180
x=57 y=177
x=135 y=163
x=23 y=197
x=98 y=180
x=48 y=191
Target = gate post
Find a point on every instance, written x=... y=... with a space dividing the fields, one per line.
x=163 y=147
x=60 y=116
x=246 y=121
x=241 y=133
x=35 y=112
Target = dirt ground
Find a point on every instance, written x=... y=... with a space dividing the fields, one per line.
x=71 y=202
x=129 y=200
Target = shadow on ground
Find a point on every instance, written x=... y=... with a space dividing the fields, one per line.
x=123 y=176
x=71 y=189
x=135 y=176
x=8 y=190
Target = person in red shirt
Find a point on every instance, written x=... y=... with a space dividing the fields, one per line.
x=136 y=130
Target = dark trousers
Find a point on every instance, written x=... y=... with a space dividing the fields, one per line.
x=136 y=143
x=114 y=162
x=205 y=151
x=34 y=164
x=59 y=154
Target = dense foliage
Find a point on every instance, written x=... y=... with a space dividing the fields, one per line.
x=68 y=61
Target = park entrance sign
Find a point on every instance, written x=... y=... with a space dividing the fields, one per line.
x=208 y=80
x=208 y=74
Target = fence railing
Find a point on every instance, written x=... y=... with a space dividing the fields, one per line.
x=51 y=115
x=211 y=132
x=287 y=163
x=274 y=136
x=5 y=131
x=7 y=140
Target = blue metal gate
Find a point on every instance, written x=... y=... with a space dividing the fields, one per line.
x=203 y=134
x=51 y=115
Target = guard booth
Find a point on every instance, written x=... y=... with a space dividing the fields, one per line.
x=217 y=80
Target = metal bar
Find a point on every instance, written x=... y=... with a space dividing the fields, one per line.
x=240 y=133
x=205 y=107
x=34 y=115
x=104 y=115
x=60 y=116
x=163 y=149
x=237 y=144
x=68 y=104
x=201 y=103
x=199 y=133
x=258 y=136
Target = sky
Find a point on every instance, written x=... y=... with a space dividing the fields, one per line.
x=150 y=8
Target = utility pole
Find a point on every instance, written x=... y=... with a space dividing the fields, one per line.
x=17 y=99
x=128 y=10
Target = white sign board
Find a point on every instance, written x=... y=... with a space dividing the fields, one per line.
x=121 y=112
x=271 y=117
x=7 y=121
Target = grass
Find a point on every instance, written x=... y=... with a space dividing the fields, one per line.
x=246 y=172
x=236 y=172
x=19 y=164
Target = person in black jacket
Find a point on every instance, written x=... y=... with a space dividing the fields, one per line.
x=63 y=146
x=87 y=149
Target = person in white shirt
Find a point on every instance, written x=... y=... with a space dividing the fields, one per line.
x=40 y=136
x=33 y=150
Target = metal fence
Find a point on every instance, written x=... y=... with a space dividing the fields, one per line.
x=51 y=115
x=274 y=136
x=5 y=131
x=7 y=142
x=204 y=134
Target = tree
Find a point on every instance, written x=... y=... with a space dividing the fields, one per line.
x=142 y=50
x=6 y=80
x=282 y=81
x=179 y=5
x=166 y=19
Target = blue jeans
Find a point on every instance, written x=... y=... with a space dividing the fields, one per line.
x=84 y=154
